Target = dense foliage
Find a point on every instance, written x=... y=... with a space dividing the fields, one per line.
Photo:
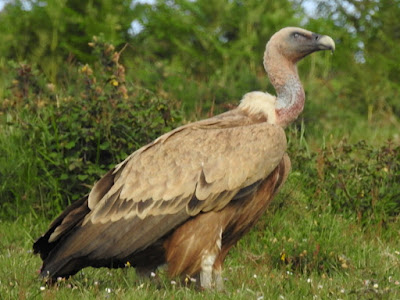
x=355 y=180
x=48 y=33
x=66 y=138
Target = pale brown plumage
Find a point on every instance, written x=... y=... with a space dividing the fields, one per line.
x=184 y=199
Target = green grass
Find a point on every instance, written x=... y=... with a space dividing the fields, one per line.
x=294 y=252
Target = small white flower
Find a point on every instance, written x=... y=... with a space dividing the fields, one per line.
x=397 y=252
x=193 y=279
x=108 y=290
x=42 y=288
x=260 y=298
x=376 y=286
x=96 y=283
x=320 y=286
x=173 y=282
x=152 y=274
x=281 y=297
x=309 y=280
x=255 y=275
x=342 y=291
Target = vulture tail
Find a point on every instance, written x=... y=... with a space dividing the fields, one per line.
x=62 y=227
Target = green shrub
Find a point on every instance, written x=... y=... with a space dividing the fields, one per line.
x=360 y=179
x=77 y=132
x=352 y=179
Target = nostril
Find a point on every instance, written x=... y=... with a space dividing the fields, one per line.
x=316 y=37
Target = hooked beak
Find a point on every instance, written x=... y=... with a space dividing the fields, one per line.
x=324 y=42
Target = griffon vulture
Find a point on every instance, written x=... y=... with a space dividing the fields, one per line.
x=186 y=198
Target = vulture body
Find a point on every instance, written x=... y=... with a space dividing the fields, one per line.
x=188 y=197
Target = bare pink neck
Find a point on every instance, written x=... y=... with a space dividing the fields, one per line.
x=290 y=101
x=290 y=93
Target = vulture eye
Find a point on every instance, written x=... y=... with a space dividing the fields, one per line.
x=298 y=36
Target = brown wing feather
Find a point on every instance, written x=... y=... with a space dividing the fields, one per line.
x=68 y=219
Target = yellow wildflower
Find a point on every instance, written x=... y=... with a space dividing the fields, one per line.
x=114 y=82
x=86 y=70
x=283 y=256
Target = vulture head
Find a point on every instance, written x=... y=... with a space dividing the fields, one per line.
x=295 y=43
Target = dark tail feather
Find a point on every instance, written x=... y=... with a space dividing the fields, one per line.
x=64 y=225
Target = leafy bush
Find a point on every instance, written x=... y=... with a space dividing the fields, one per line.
x=361 y=179
x=79 y=131
x=353 y=179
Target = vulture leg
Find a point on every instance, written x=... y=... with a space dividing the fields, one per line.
x=206 y=273
x=218 y=280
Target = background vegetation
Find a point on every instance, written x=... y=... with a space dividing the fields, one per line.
x=85 y=83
